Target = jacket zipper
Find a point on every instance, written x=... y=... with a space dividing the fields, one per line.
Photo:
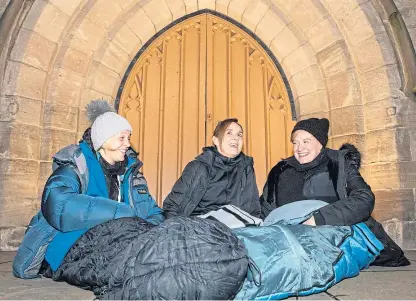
x=129 y=183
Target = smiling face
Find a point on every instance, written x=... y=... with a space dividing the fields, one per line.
x=231 y=143
x=114 y=149
x=305 y=146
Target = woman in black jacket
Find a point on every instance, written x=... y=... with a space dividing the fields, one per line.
x=319 y=173
x=221 y=175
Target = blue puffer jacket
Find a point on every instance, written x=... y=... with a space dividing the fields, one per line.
x=75 y=199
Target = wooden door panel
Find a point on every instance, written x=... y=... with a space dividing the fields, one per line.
x=198 y=72
x=257 y=129
x=218 y=74
x=193 y=90
x=243 y=82
x=167 y=108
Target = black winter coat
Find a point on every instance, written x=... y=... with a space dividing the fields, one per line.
x=211 y=181
x=350 y=199
x=332 y=177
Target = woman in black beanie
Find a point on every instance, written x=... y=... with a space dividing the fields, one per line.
x=315 y=172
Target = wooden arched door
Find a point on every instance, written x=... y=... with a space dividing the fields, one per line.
x=198 y=72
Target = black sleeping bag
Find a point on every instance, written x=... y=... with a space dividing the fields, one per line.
x=96 y=255
x=183 y=258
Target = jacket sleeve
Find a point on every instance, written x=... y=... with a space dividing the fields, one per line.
x=150 y=211
x=182 y=200
x=252 y=192
x=268 y=198
x=155 y=213
x=351 y=209
x=67 y=209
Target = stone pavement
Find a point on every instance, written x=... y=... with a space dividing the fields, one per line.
x=375 y=283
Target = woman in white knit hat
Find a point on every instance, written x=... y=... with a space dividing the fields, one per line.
x=93 y=182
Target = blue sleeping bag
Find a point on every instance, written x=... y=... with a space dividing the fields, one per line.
x=299 y=260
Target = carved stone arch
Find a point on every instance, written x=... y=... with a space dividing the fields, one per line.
x=201 y=69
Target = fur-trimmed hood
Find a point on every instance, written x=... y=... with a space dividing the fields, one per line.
x=352 y=154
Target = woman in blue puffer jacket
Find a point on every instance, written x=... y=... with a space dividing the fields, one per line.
x=93 y=182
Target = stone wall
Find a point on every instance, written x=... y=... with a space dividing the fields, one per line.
x=3 y=5
x=339 y=57
x=394 y=179
x=407 y=9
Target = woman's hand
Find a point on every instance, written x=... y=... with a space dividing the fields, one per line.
x=310 y=222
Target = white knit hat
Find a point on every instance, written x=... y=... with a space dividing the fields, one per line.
x=106 y=126
x=105 y=122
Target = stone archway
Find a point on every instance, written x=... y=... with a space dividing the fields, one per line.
x=337 y=56
x=199 y=71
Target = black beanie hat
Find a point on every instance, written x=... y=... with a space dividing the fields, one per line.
x=316 y=127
